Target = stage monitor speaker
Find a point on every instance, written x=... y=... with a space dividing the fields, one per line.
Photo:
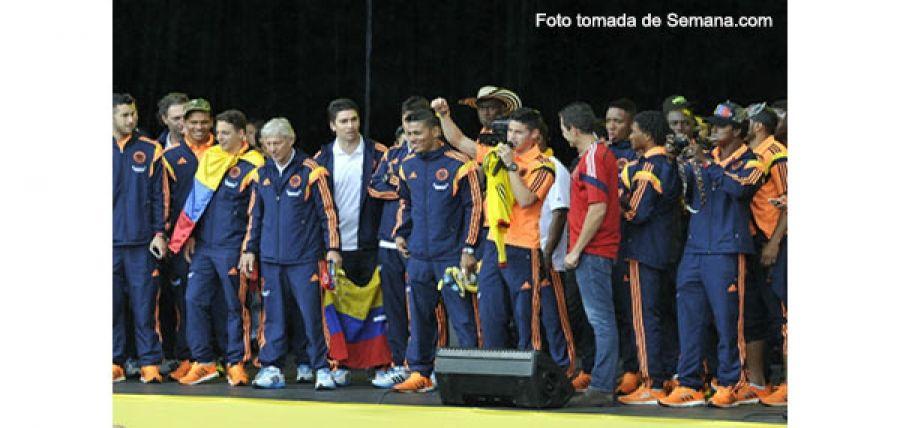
x=500 y=377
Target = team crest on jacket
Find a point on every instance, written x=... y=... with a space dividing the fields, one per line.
x=441 y=174
x=234 y=172
x=412 y=175
x=139 y=157
x=266 y=182
x=296 y=180
x=181 y=161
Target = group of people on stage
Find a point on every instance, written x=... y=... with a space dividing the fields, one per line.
x=653 y=269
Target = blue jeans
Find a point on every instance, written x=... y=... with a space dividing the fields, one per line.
x=594 y=276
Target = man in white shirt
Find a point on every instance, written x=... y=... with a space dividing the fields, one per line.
x=351 y=159
x=554 y=311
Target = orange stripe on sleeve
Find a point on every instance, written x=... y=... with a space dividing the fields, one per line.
x=330 y=214
x=250 y=219
x=475 y=222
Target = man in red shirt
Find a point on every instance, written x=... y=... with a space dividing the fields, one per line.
x=593 y=244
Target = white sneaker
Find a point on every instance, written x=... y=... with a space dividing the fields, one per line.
x=324 y=380
x=270 y=377
x=341 y=376
x=390 y=377
x=304 y=373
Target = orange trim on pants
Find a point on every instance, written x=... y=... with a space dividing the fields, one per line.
x=245 y=317
x=556 y=283
x=742 y=344
x=535 y=300
x=637 y=320
x=440 y=313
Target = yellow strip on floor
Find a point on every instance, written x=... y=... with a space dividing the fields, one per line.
x=153 y=411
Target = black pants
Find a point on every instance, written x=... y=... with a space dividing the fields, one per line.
x=359 y=265
x=582 y=332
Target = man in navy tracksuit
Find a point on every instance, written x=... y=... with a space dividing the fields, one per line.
x=292 y=224
x=213 y=251
x=439 y=221
x=138 y=220
x=350 y=161
x=650 y=192
x=180 y=161
x=384 y=186
x=712 y=271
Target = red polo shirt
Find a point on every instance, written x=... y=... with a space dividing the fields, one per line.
x=595 y=180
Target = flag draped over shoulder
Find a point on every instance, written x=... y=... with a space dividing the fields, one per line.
x=214 y=163
x=498 y=202
x=356 y=323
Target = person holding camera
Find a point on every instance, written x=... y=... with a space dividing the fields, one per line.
x=711 y=275
x=512 y=257
x=492 y=103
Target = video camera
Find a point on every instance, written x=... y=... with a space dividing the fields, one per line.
x=497 y=134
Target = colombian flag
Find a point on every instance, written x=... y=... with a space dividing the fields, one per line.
x=214 y=163
x=356 y=323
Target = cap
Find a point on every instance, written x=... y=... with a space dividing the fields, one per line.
x=676 y=102
x=761 y=111
x=505 y=96
x=727 y=113
x=197 y=104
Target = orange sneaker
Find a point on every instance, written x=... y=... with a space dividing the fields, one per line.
x=199 y=373
x=150 y=374
x=183 y=368
x=415 y=383
x=629 y=383
x=118 y=373
x=683 y=396
x=724 y=398
x=236 y=375
x=581 y=382
x=750 y=393
x=778 y=398
x=643 y=395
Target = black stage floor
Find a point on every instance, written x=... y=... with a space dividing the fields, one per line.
x=360 y=392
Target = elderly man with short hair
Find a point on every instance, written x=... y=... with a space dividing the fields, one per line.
x=293 y=225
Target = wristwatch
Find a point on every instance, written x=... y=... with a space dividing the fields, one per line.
x=468 y=250
x=512 y=167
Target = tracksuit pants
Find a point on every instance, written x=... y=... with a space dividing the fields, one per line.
x=642 y=344
x=212 y=272
x=555 y=321
x=135 y=282
x=281 y=284
x=711 y=287
x=517 y=280
x=172 y=311
x=393 y=288
x=423 y=295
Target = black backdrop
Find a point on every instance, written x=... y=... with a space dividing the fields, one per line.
x=290 y=58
